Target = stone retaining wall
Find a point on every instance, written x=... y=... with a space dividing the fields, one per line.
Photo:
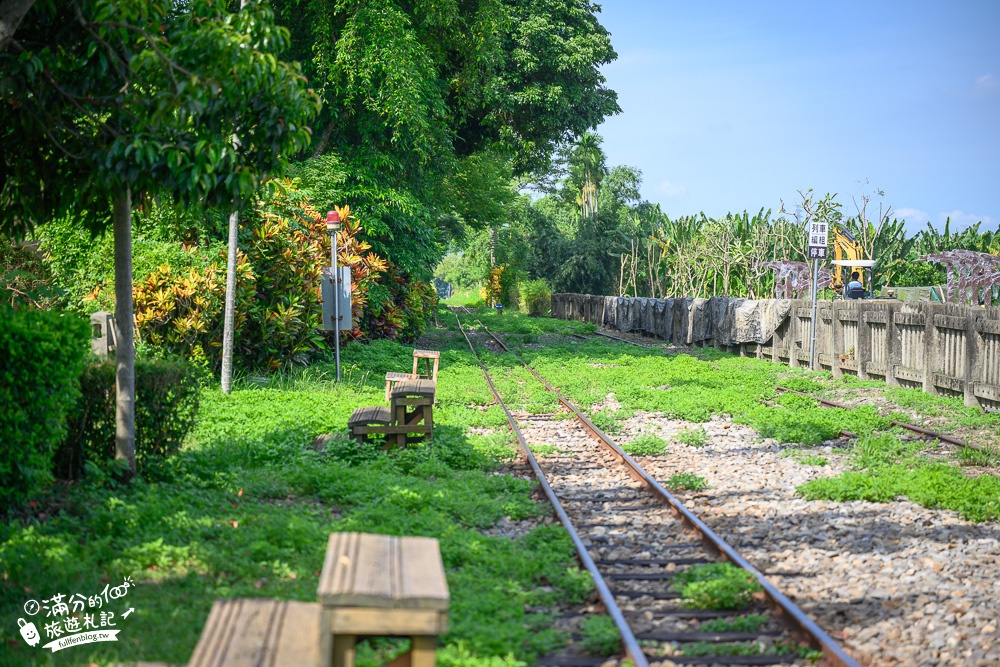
x=941 y=348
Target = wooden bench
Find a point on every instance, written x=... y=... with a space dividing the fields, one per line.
x=410 y=416
x=383 y=585
x=367 y=420
x=428 y=356
x=412 y=407
x=394 y=376
x=262 y=633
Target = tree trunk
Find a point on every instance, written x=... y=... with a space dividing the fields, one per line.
x=230 y=320
x=124 y=335
x=11 y=14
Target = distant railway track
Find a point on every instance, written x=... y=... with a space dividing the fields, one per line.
x=630 y=530
x=913 y=428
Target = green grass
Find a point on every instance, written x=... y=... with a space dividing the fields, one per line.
x=646 y=444
x=698 y=649
x=693 y=437
x=469 y=298
x=716 y=586
x=686 y=481
x=886 y=468
x=246 y=507
x=600 y=636
x=805 y=458
x=748 y=623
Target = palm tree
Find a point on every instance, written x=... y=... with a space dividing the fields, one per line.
x=588 y=166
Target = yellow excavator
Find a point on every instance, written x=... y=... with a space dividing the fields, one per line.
x=848 y=257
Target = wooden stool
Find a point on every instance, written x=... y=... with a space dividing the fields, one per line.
x=412 y=408
x=371 y=419
x=253 y=632
x=428 y=355
x=394 y=376
x=382 y=585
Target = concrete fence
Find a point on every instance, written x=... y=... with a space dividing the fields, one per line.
x=942 y=348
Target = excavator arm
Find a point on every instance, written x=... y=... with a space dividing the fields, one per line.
x=847 y=249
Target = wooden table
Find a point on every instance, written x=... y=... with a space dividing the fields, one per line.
x=260 y=632
x=383 y=585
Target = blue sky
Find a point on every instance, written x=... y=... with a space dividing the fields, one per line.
x=736 y=105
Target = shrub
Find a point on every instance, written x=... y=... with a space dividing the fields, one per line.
x=41 y=356
x=166 y=403
x=536 y=297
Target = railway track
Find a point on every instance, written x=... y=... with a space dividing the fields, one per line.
x=826 y=403
x=636 y=539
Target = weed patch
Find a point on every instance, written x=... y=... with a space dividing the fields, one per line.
x=693 y=437
x=600 y=636
x=686 y=481
x=716 y=586
x=887 y=468
x=646 y=444
x=748 y=623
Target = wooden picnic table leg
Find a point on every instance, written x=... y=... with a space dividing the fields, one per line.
x=424 y=651
x=344 y=650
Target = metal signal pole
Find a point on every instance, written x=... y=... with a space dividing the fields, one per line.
x=333 y=226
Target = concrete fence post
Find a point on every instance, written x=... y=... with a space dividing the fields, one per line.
x=864 y=351
x=973 y=347
x=838 y=338
x=932 y=350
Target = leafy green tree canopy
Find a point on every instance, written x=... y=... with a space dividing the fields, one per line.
x=100 y=96
x=430 y=81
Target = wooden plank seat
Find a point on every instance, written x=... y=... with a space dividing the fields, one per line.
x=394 y=376
x=371 y=419
x=383 y=585
x=262 y=633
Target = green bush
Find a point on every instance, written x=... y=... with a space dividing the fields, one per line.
x=536 y=297
x=166 y=402
x=41 y=356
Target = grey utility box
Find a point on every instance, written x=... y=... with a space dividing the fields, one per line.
x=102 y=336
x=343 y=296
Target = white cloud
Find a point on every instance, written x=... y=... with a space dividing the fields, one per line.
x=911 y=215
x=960 y=220
x=987 y=83
x=668 y=189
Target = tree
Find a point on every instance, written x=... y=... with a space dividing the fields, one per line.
x=140 y=99
x=423 y=100
x=587 y=169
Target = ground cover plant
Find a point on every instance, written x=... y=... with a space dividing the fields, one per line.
x=716 y=586
x=245 y=507
x=600 y=636
x=646 y=444
x=748 y=623
x=886 y=468
x=686 y=481
x=693 y=437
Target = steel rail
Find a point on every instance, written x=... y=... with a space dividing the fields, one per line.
x=908 y=427
x=631 y=644
x=833 y=654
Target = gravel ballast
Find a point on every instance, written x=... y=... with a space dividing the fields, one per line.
x=896 y=583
